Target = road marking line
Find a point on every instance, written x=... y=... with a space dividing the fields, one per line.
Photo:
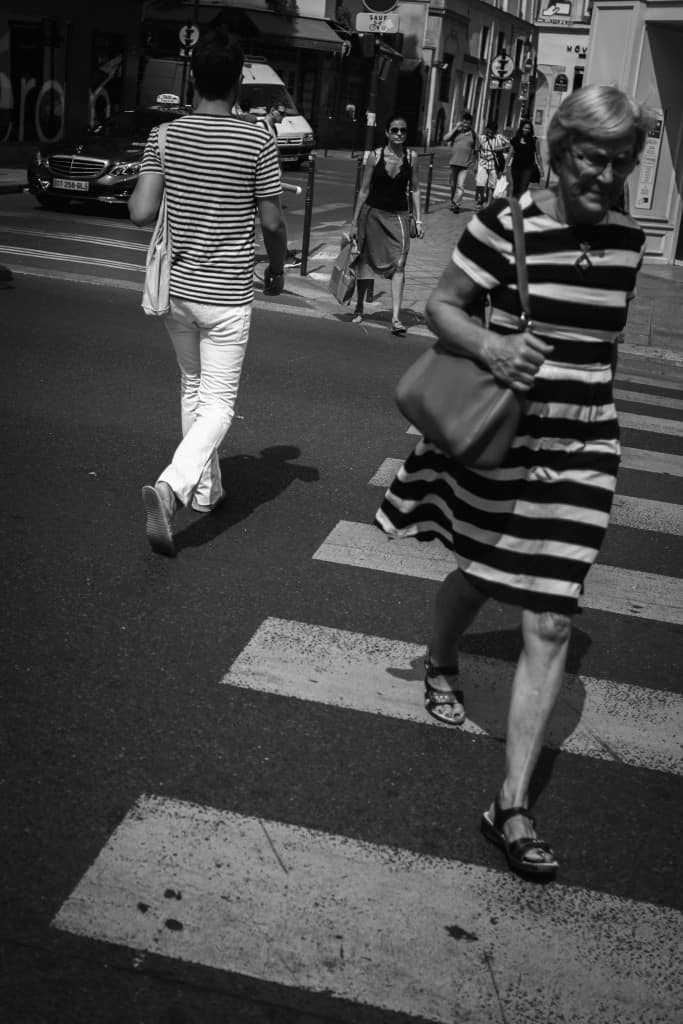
x=655 y=382
x=608 y=588
x=631 y=421
x=642 y=398
x=62 y=257
x=116 y=243
x=639 y=513
x=597 y=718
x=377 y=925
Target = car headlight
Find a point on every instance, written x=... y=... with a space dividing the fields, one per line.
x=125 y=170
x=308 y=137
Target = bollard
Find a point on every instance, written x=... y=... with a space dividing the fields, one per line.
x=430 y=174
x=308 y=214
x=356 y=187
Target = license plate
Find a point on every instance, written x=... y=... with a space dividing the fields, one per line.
x=71 y=186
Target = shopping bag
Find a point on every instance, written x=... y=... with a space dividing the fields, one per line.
x=502 y=187
x=156 y=300
x=343 y=276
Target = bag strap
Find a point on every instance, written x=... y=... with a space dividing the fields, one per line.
x=161 y=137
x=519 y=246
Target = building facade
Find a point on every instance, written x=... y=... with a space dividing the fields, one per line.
x=63 y=65
x=638 y=44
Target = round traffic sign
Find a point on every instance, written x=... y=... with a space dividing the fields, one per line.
x=380 y=6
x=502 y=66
x=189 y=34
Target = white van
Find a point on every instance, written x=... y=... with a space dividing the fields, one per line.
x=261 y=89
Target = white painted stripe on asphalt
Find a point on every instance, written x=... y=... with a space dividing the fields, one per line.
x=643 y=398
x=377 y=925
x=652 y=462
x=63 y=257
x=639 y=513
x=116 y=243
x=652 y=424
x=597 y=718
x=608 y=588
x=655 y=382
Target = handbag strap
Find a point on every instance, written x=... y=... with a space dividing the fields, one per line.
x=519 y=246
x=161 y=138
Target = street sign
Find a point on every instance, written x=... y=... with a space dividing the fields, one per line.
x=502 y=66
x=379 y=7
x=501 y=83
x=188 y=35
x=561 y=83
x=386 y=23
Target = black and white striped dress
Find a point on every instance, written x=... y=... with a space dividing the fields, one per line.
x=528 y=532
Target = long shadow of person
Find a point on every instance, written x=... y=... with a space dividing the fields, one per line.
x=487 y=681
x=250 y=481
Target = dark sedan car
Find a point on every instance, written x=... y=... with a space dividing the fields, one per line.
x=102 y=166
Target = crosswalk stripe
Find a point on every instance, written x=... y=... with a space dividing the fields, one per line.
x=377 y=925
x=597 y=718
x=643 y=398
x=608 y=588
x=632 y=421
x=652 y=462
x=114 y=243
x=656 y=382
x=639 y=513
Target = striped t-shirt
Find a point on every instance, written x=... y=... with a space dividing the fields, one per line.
x=215 y=169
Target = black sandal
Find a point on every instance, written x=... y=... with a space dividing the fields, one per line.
x=516 y=850
x=438 y=701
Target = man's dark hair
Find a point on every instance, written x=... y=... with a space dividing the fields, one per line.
x=217 y=61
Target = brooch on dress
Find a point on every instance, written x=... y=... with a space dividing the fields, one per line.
x=583 y=262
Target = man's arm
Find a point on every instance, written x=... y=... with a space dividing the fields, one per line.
x=274 y=231
x=146 y=198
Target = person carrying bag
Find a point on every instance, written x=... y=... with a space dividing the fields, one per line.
x=456 y=402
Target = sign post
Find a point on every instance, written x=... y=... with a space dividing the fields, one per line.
x=188 y=35
x=376 y=22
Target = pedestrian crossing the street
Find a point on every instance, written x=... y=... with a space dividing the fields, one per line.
x=397 y=930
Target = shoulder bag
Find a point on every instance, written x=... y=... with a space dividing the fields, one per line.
x=412 y=220
x=343 y=277
x=156 y=299
x=456 y=402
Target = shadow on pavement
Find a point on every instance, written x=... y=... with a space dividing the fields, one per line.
x=249 y=481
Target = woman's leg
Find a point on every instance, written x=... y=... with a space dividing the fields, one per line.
x=455 y=609
x=364 y=286
x=454 y=174
x=520 y=181
x=537 y=683
x=397 y=283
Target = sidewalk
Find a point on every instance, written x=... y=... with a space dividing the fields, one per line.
x=12 y=179
x=655 y=322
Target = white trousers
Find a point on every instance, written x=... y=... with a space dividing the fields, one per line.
x=210 y=343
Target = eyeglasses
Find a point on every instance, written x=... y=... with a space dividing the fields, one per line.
x=595 y=161
x=398 y=131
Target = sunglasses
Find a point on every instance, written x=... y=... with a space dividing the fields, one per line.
x=398 y=131
x=595 y=161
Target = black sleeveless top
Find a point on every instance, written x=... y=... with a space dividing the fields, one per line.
x=387 y=193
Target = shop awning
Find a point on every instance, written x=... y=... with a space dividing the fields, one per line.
x=301 y=33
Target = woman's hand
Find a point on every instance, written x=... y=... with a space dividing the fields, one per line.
x=515 y=359
x=420 y=228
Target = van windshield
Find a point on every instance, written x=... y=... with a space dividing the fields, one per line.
x=257 y=98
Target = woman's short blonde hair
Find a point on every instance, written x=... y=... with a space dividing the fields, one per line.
x=599 y=112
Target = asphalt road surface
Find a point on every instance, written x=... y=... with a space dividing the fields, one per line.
x=222 y=799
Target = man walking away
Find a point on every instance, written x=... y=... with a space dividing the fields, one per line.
x=463 y=139
x=217 y=169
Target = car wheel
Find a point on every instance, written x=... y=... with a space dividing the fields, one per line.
x=50 y=203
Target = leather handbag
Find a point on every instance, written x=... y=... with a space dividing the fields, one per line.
x=456 y=402
x=156 y=299
x=343 y=276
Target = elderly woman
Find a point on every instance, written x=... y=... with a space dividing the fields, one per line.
x=528 y=532
x=389 y=188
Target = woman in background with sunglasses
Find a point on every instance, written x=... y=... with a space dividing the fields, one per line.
x=381 y=219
